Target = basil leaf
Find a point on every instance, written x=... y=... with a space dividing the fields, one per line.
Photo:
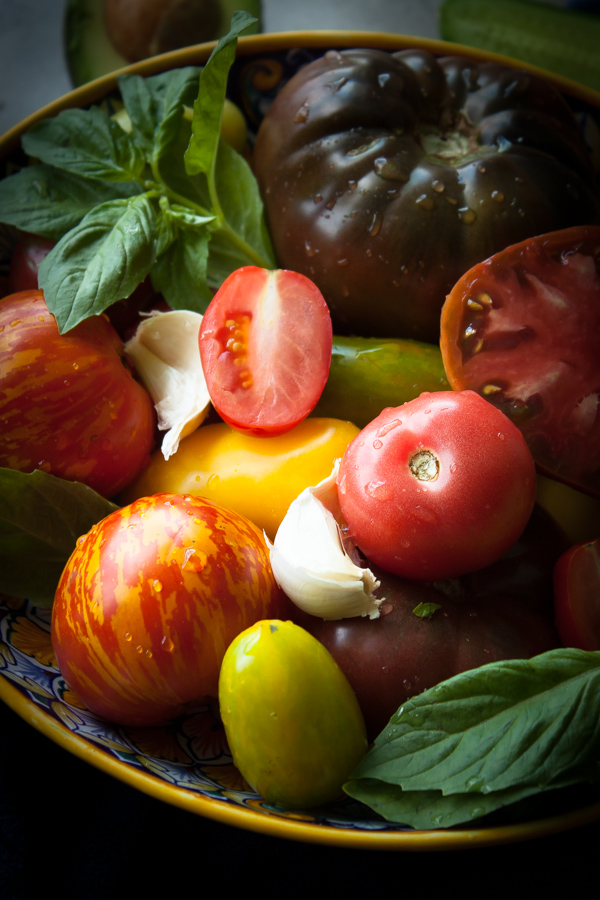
x=516 y=726
x=49 y=202
x=180 y=272
x=155 y=107
x=242 y=207
x=41 y=517
x=431 y=809
x=86 y=143
x=208 y=106
x=100 y=261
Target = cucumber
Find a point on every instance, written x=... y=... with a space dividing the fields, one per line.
x=563 y=41
x=368 y=374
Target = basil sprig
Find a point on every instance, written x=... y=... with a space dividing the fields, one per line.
x=165 y=199
x=485 y=739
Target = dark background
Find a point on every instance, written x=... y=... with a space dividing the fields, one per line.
x=67 y=828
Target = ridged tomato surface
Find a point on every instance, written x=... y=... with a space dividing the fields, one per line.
x=69 y=404
x=150 y=600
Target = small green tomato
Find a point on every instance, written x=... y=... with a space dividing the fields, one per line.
x=294 y=726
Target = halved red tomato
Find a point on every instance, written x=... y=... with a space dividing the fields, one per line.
x=523 y=330
x=265 y=344
x=577 y=596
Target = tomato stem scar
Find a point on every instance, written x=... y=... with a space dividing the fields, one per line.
x=425 y=466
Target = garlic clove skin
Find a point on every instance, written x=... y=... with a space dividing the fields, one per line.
x=166 y=355
x=310 y=563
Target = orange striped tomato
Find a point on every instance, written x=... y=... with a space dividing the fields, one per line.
x=68 y=403
x=150 y=600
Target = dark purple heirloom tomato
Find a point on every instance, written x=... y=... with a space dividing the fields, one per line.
x=386 y=176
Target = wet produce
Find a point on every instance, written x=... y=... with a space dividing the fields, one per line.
x=149 y=601
x=292 y=721
x=522 y=328
x=265 y=345
x=386 y=176
x=69 y=404
x=443 y=563
x=426 y=633
x=440 y=486
x=258 y=477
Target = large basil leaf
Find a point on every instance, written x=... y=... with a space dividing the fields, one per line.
x=87 y=143
x=486 y=738
x=100 y=261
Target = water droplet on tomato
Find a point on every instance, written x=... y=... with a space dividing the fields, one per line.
x=139 y=649
x=128 y=636
x=467 y=215
x=378 y=490
x=377 y=444
x=389 y=426
x=501 y=436
x=302 y=113
x=157 y=585
x=167 y=644
x=213 y=481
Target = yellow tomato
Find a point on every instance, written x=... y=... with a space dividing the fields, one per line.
x=258 y=477
x=293 y=723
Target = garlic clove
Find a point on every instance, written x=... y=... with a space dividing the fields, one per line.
x=166 y=355
x=310 y=563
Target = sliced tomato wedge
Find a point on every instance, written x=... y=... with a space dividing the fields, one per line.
x=577 y=596
x=265 y=345
x=523 y=330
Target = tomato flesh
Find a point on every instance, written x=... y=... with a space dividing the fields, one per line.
x=523 y=330
x=265 y=345
x=577 y=596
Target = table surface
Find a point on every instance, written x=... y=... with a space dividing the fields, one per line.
x=65 y=824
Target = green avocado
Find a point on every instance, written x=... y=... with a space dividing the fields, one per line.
x=369 y=374
x=88 y=48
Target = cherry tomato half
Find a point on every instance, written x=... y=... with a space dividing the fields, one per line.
x=440 y=486
x=577 y=596
x=265 y=344
x=523 y=330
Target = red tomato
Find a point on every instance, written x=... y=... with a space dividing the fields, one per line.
x=523 y=330
x=25 y=261
x=68 y=403
x=150 y=600
x=577 y=596
x=123 y=315
x=440 y=486
x=265 y=344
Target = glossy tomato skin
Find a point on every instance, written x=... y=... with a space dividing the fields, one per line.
x=25 y=260
x=440 y=486
x=149 y=602
x=504 y=611
x=386 y=176
x=577 y=596
x=293 y=723
x=69 y=404
x=523 y=329
x=265 y=344
x=259 y=478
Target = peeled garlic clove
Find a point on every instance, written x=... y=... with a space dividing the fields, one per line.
x=165 y=352
x=310 y=563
